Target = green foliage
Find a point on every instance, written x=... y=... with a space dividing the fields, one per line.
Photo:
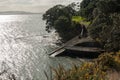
x=77 y=18
x=108 y=6
x=51 y=15
x=113 y=41
x=87 y=7
x=105 y=24
x=59 y=18
x=104 y=16
x=97 y=25
x=90 y=7
x=106 y=29
x=55 y=12
x=81 y=20
x=61 y=26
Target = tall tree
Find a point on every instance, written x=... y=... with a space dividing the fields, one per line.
x=59 y=18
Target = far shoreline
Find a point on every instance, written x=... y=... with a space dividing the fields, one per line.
x=18 y=13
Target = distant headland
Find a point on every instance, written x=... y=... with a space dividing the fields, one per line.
x=16 y=12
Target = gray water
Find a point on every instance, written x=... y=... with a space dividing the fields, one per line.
x=24 y=48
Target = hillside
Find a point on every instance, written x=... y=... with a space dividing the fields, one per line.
x=16 y=12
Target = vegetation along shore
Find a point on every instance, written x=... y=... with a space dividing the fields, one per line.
x=101 y=19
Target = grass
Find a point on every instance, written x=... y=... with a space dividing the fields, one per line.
x=80 y=20
x=77 y=18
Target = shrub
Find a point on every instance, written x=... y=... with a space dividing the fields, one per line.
x=96 y=70
x=88 y=71
x=59 y=18
x=110 y=60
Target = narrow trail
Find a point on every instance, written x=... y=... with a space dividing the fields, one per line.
x=70 y=45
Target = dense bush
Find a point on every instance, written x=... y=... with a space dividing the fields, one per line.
x=105 y=25
x=88 y=71
x=109 y=60
x=96 y=70
x=108 y=6
x=65 y=29
x=103 y=16
x=86 y=9
x=106 y=28
x=59 y=18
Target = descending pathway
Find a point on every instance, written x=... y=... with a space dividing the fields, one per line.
x=70 y=45
x=75 y=45
x=85 y=49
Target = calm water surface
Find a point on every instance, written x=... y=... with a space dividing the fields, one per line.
x=24 y=48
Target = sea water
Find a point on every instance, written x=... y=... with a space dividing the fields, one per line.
x=24 y=48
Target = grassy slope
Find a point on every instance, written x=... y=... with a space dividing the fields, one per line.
x=80 y=20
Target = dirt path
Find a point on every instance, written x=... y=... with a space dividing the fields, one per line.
x=114 y=75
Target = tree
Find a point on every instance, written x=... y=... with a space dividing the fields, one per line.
x=106 y=24
x=107 y=6
x=62 y=26
x=52 y=15
x=55 y=12
x=86 y=9
x=59 y=18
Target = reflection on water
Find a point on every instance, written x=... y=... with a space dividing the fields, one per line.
x=24 y=45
